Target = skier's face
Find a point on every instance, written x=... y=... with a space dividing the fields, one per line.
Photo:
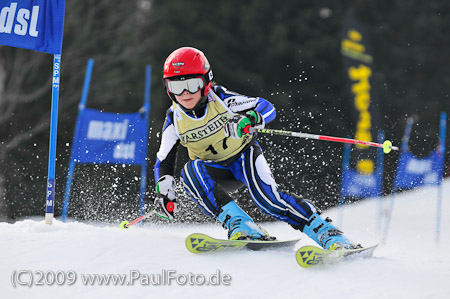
x=189 y=100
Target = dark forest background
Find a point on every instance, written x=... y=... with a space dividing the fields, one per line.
x=285 y=51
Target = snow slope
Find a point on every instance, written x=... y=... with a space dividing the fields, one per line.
x=408 y=265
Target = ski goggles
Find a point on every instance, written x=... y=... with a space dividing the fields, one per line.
x=192 y=85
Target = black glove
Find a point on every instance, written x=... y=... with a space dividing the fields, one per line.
x=165 y=196
x=164 y=204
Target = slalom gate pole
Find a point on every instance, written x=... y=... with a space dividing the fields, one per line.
x=126 y=224
x=441 y=152
x=50 y=196
x=386 y=145
x=72 y=163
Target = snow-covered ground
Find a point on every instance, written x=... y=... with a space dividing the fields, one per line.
x=409 y=265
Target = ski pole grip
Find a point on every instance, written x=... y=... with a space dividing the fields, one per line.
x=246 y=129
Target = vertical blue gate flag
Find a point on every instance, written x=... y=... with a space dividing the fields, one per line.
x=359 y=67
x=109 y=138
x=413 y=171
x=38 y=25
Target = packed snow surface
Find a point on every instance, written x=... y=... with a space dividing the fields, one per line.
x=61 y=257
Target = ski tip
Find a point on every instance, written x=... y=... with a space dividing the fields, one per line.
x=201 y=243
x=308 y=256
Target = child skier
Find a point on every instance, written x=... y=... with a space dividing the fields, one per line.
x=209 y=121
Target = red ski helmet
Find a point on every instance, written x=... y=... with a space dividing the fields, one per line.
x=183 y=64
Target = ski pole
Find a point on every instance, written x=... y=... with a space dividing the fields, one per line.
x=386 y=146
x=126 y=224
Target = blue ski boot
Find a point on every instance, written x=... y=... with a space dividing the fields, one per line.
x=240 y=226
x=326 y=234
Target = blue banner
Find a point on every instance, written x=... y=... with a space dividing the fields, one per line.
x=110 y=138
x=32 y=24
x=359 y=185
x=413 y=172
x=362 y=185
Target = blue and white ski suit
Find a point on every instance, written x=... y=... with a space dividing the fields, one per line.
x=220 y=164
